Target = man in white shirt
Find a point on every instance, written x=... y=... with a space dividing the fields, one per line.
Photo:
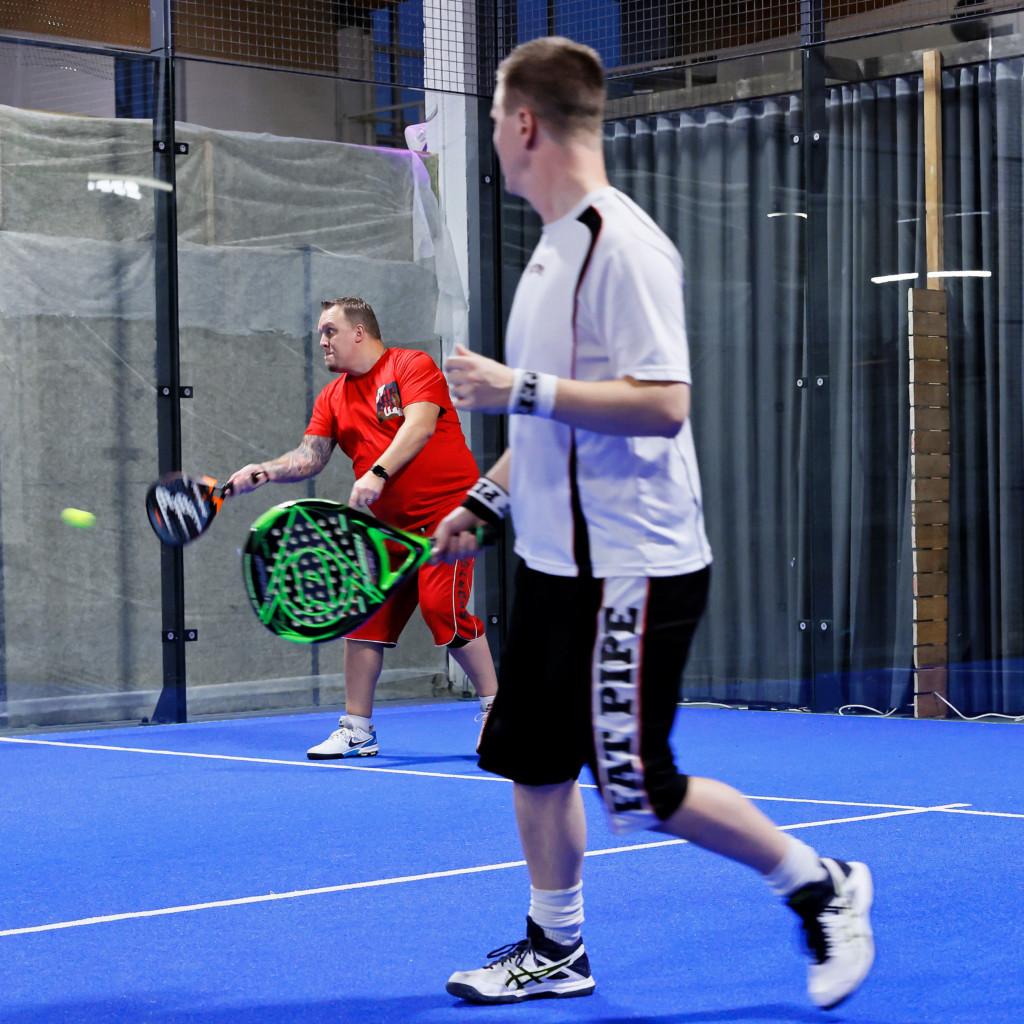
x=601 y=476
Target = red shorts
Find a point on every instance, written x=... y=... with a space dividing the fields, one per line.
x=442 y=592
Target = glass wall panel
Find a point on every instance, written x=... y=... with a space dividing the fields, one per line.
x=270 y=224
x=724 y=184
x=964 y=559
x=723 y=174
x=79 y=592
x=874 y=224
x=983 y=220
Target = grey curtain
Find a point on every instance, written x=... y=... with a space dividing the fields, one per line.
x=983 y=116
x=726 y=185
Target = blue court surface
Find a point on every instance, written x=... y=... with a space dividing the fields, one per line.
x=208 y=872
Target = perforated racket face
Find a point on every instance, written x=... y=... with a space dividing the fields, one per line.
x=316 y=570
x=181 y=507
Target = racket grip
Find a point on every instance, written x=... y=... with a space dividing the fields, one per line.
x=486 y=535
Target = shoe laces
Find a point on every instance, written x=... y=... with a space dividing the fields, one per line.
x=821 y=932
x=513 y=953
x=823 y=923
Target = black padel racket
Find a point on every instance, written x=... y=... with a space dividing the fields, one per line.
x=316 y=570
x=182 y=507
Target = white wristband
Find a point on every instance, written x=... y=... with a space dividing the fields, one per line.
x=488 y=501
x=533 y=394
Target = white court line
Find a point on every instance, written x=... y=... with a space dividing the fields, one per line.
x=986 y=814
x=380 y=882
x=455 y=775
x=255 y=760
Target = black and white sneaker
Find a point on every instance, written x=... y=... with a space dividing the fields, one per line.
x=533 y=968
x=834 y=916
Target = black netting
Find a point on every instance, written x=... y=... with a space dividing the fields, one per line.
x=454 y=45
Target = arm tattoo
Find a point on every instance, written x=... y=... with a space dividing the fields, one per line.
x=305 y=461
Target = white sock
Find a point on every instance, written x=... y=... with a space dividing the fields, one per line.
x=559 y=912
x=800 y=866
x=486 y=702
x=366 y=724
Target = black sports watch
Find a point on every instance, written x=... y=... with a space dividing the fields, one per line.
x=380 y=471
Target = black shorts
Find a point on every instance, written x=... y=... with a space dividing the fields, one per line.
x=590 y=674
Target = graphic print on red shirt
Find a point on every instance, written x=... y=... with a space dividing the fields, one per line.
x=363 y=414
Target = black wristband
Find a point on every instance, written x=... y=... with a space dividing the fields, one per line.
x=380 y=471
x=487 y=501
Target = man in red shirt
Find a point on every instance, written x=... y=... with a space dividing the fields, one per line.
x=390 y=413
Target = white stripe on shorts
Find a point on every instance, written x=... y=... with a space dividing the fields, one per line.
x=615 y=693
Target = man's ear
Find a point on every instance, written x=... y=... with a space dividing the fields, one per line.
x=528 y=126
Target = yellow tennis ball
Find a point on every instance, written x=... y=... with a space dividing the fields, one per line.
x=78 y=518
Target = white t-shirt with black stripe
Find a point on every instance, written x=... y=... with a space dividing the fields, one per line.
x=602 y=299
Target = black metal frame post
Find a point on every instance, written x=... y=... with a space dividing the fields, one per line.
x=483 y=204
x=825 y=685
x=495 y=22
x=171 y=705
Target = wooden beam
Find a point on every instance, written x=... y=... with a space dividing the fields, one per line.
x=929 y=513
x=928 y=348
x=933 y=607
x=930 y=683
x=924 y=301
x=932 y=325
x=929 y=419
x=929 y=465
x=929 y=371
x=930 y=488
x=931 y=560
x=931 y=538
x=935 y=654
x=929 y=395
x=933 y=164
x=930 y=444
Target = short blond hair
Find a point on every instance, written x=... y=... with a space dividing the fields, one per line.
x=561 y=81
x=357 y=311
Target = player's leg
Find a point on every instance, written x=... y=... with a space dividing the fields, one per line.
x=356 y=735
x=538 y=736
x=553 y=833
x=444 y=592
x=364 y=660
x=474 y=658
x=634 y=709
x=832 y=898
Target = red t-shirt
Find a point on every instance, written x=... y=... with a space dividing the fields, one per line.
x=363 y=415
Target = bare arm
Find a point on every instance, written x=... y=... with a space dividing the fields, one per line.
x=412 y=436
x=635 y=408
x=409 y=440
x=299 y=464
x=501 y=471
x=624 y=407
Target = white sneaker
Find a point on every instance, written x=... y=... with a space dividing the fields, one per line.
x=348 y=740
x=834 y=916
x=533 y=968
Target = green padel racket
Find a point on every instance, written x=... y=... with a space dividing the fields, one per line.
x=316 y=570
